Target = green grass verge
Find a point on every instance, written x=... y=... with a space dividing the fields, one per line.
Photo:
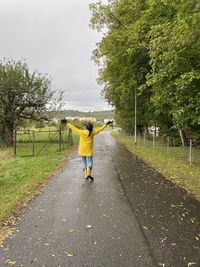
x=21 y=176
x=172 y=164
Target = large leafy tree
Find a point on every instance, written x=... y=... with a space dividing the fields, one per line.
x=123 y=53
x=153 y=47
x=24 y=95
x=175 y=62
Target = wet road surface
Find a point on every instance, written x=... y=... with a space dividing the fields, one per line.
x=130 y=216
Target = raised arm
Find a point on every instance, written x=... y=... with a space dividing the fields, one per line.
x=73 y=128
x=99 y=129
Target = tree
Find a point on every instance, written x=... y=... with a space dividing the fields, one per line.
x=123 y=54
x=153 y=47
x=23 y=96
x=175 y=62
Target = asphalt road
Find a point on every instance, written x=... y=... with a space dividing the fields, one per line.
x=130 y=216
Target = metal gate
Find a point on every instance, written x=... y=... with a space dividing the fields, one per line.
x=35 y=142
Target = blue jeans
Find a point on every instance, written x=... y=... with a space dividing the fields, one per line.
x=87 y=161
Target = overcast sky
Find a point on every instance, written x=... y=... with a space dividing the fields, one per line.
x=54 y=37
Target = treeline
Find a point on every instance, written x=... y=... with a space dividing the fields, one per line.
x=151 y=47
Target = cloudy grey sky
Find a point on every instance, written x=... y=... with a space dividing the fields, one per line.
x=54 y=37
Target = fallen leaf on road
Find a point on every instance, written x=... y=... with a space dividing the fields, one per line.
x=6 y=233
x=11 y=262
x=192 y=220
x=191 y=263
x=69 y=254
x=165 y=238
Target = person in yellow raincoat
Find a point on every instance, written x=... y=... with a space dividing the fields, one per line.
x=85 y=149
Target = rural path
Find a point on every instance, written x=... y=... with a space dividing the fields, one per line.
x=129 y=217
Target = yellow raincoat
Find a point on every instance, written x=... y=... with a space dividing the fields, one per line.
x=86 y=142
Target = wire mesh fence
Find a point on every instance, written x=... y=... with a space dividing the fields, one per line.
x=169 y=146
x=40 y=142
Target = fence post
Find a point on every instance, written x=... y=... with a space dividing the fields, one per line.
x=144 y=138
x=60 y=138
x=15 y=142
x=49 y=134
x=167 y=144
x=190 y=151
x=153 y=140
x=70 y=139
x=33 y=143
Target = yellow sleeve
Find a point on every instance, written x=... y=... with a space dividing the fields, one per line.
x=98 y=130
x=73 y=128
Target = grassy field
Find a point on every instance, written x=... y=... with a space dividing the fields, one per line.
x=172 y=165
x=21 y=176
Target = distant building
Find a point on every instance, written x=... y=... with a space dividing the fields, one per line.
x=82 y=119
x=87 y=119
x=71 y=118
x=153 y=130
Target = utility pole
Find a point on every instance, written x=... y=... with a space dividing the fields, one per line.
x=135 y=116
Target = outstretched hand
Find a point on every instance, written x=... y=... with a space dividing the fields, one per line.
x=63 y=121
x=109 y=122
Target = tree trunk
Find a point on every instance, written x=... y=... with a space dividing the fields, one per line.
x=9 y=139
x=7 y=134
x=183 y=137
